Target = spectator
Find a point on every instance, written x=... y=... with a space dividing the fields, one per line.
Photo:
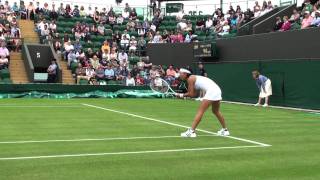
x=256 y=9
x=209 y=23
x=77 y=46
x=188 y=37
x=105 y=47
x=316 y=20
x=182 y=25
x=125 y=33
x=278 y=24
x=307 y=20
x=130 y=81
x=101 y=29
x=82 y=12
x=100 y=73
x=109 y=73
x=142 y=44
x=123 y=58
x=4 y=62
x=139 y=80
x=30 y=11
x=180 y=15
x=72 y=58
x=170 y=74
x=94 y=61
x=286 y=24
x=200 y=24
x=4 y=52
x=295 y=17
x=125 y=14
x=52 y=72
x=133 y=14
x=124 y=43
x=201 y=70
x=86 y=74
x=120 y=19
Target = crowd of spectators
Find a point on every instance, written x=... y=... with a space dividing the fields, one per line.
x=111 y=61
x=308 y=15
x=9 y=33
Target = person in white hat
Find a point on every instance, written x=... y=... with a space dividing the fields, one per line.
x=212 y=98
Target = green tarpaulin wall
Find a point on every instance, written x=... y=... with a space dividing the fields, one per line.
x=294 y=83
x=74 y=91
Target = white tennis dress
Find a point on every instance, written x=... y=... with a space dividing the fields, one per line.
x=211 y=89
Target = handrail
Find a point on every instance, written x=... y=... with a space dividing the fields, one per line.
x=28 y=62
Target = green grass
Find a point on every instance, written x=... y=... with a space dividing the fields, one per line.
x=294 y=137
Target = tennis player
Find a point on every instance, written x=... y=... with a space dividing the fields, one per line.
x=264 y=85
x=212 y=98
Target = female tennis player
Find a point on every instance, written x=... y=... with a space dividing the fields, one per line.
x=212 y=98
x=264 y=85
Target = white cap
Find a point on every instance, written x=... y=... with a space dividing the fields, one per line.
x=182 y=70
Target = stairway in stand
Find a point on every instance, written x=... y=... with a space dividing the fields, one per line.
x=28 y=34
x=66 y=74
x=17 y=68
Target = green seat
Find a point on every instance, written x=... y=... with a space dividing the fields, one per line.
x=112 y=82
x=201 y=38
x=6 y=81
x=173 y=23
x=107 y=26
x=69 y=24
x=122 y=28
x=97 y=44
x=60 y=30
x=162 y=28
x=4 y=73
x=100 y=38
x=96 y=49
x=140 y=18
x=108 y=32
x=67 y=30
x=133 y=60
x=133 y=33
x=116 y=27
x=83 y=82
x=73 y=67
x=88 y=20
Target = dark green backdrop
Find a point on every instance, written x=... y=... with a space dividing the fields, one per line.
x=294 y=83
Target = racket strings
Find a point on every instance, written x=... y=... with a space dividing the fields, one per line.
x=159 y=85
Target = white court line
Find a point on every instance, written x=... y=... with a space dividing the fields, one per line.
x=98 y=139
x=127 y=152
x=276 y=107
x=174 y=124
x=37 y=106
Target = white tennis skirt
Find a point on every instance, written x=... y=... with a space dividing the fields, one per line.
x=268 y=89
x=213 y=95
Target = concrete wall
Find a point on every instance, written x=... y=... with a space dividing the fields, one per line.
x=297 y=44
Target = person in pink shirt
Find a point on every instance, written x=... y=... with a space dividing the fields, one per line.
x=180 y=37
x=170 y=74
x=307 y=20
x=286 y=24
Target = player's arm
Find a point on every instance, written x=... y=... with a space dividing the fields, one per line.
x=191 y=90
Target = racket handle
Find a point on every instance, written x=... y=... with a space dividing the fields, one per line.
x=180 y=95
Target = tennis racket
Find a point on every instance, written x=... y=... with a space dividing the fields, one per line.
x=161 y=86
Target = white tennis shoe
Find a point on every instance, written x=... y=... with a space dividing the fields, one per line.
x=265 y=105
x=223 y=132
x=189 y=133
x=257 y=104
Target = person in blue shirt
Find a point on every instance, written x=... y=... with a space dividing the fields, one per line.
x=264 y=86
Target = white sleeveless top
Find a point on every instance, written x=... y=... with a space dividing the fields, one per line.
x=206 y=84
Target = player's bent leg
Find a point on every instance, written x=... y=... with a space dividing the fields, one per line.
x=202 y=108
x=216 y=111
